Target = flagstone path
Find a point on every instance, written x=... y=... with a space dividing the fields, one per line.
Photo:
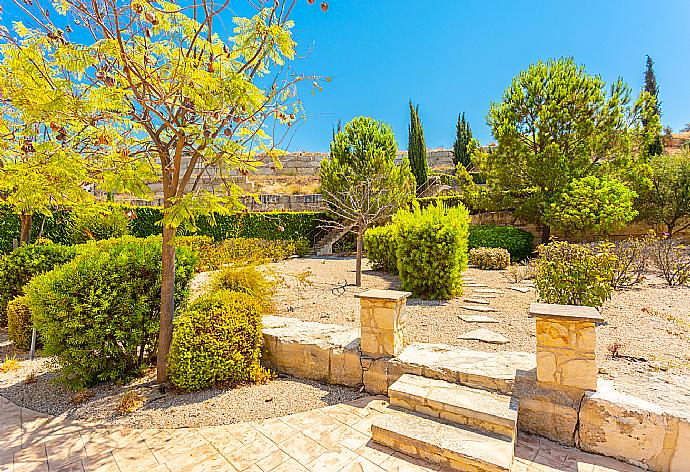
x=333 y=438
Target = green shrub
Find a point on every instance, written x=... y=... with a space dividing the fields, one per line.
x=19 y=323
x=21 y=265
x=490 y=258
x=216 y=339
x=98 y=223
x=99 y=314
x=244 y=279
x=449 y=201
x=381 y=247
x=249 y=250
x=575 y=274
x=516 y=241
x=432 y=250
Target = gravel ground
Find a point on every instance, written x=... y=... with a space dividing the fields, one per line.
x=650 y=324
x=209 y=407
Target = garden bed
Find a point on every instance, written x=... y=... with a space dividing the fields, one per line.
x=647 y=328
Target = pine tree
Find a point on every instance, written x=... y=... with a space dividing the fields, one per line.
x=416 y=149
x=463 y=136
x=655 y=147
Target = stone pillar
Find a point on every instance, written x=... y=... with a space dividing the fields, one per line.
x=382 y=320
x=566 y=345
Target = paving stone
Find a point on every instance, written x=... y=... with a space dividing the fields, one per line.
x=474 y=284
x=479 y=409
x=477 y=319
x=487 y=290
x=489 y=296
x=485 y=335
x=449 y=445
x=481 y=308
x=520 y=289
x=481 y=301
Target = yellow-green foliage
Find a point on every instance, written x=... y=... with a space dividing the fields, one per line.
x=244 y=279
x=381 y=246
x=19 y=323
x=216 y=339
x=490 y=258
x=575 y=274
x=432 y=250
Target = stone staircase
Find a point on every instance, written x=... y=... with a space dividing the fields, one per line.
x=324 y=245
x=457 y=426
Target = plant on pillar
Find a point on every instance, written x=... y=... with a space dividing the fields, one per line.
x=361 y=183
x=195 y=103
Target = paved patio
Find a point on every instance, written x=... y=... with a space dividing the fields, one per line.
x=334 y=438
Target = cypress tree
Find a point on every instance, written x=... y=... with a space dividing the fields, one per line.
x=463 y=136
x=416 y=149
x=650 y=85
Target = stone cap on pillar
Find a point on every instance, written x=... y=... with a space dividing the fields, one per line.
x=388 y=295
x=566 y=312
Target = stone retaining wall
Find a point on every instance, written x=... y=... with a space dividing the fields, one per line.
x=603 y=421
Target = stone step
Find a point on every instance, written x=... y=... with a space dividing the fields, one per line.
x=481 y=301
x=479 y=409
x=453 y=446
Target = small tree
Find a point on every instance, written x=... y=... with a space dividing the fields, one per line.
x=463 y=138
x=360 y=182
x=416 y=148
x=199 y=102
x=685 y=128
x=667 y=200
x=655 y=147
x=592 y=204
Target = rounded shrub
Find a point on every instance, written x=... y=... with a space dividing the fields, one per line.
x=381 y=247
x=575 y=274
x=244 y=279
x=97 y=224
x=216 y=339
x=516 y=241
x=21 y=265
x=432 y=250
x=19 y=323
x=490 y=258
x=99 y=314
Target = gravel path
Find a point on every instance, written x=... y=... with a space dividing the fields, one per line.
x=209 y=407
x=649 y=324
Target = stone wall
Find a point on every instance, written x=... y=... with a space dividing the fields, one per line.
x=559 y=407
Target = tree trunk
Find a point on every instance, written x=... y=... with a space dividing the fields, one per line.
x=545 y=234
x=167 y=304
x=25 y=235
x=360 y=244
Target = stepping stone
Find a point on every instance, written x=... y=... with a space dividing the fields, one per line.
x=477 y=319
x=486 y=290
x=484 y=335
x=473 y=284
x=520 y=289
x=478 y=308
x=482 y=301
x=485 y=295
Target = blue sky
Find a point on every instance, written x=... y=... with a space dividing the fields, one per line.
x=460 y=55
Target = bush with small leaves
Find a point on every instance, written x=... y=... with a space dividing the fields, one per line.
x=575 y=274
x=632 y=256
x=245 y=279
x=494 y=258
x=516 y=273
x=19 y=323
x=516 y=241
x=216 y=339
x=99 y=314
x=432 y=250
x=99 y=222
x=21 y=265
x=381 y=246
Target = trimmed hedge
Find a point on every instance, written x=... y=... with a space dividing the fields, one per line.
x=216 y=339
x=381 y=248
x=516 y=241
x=21 y=265
x=99 y=314
x=432 y=250
x=145 y=221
